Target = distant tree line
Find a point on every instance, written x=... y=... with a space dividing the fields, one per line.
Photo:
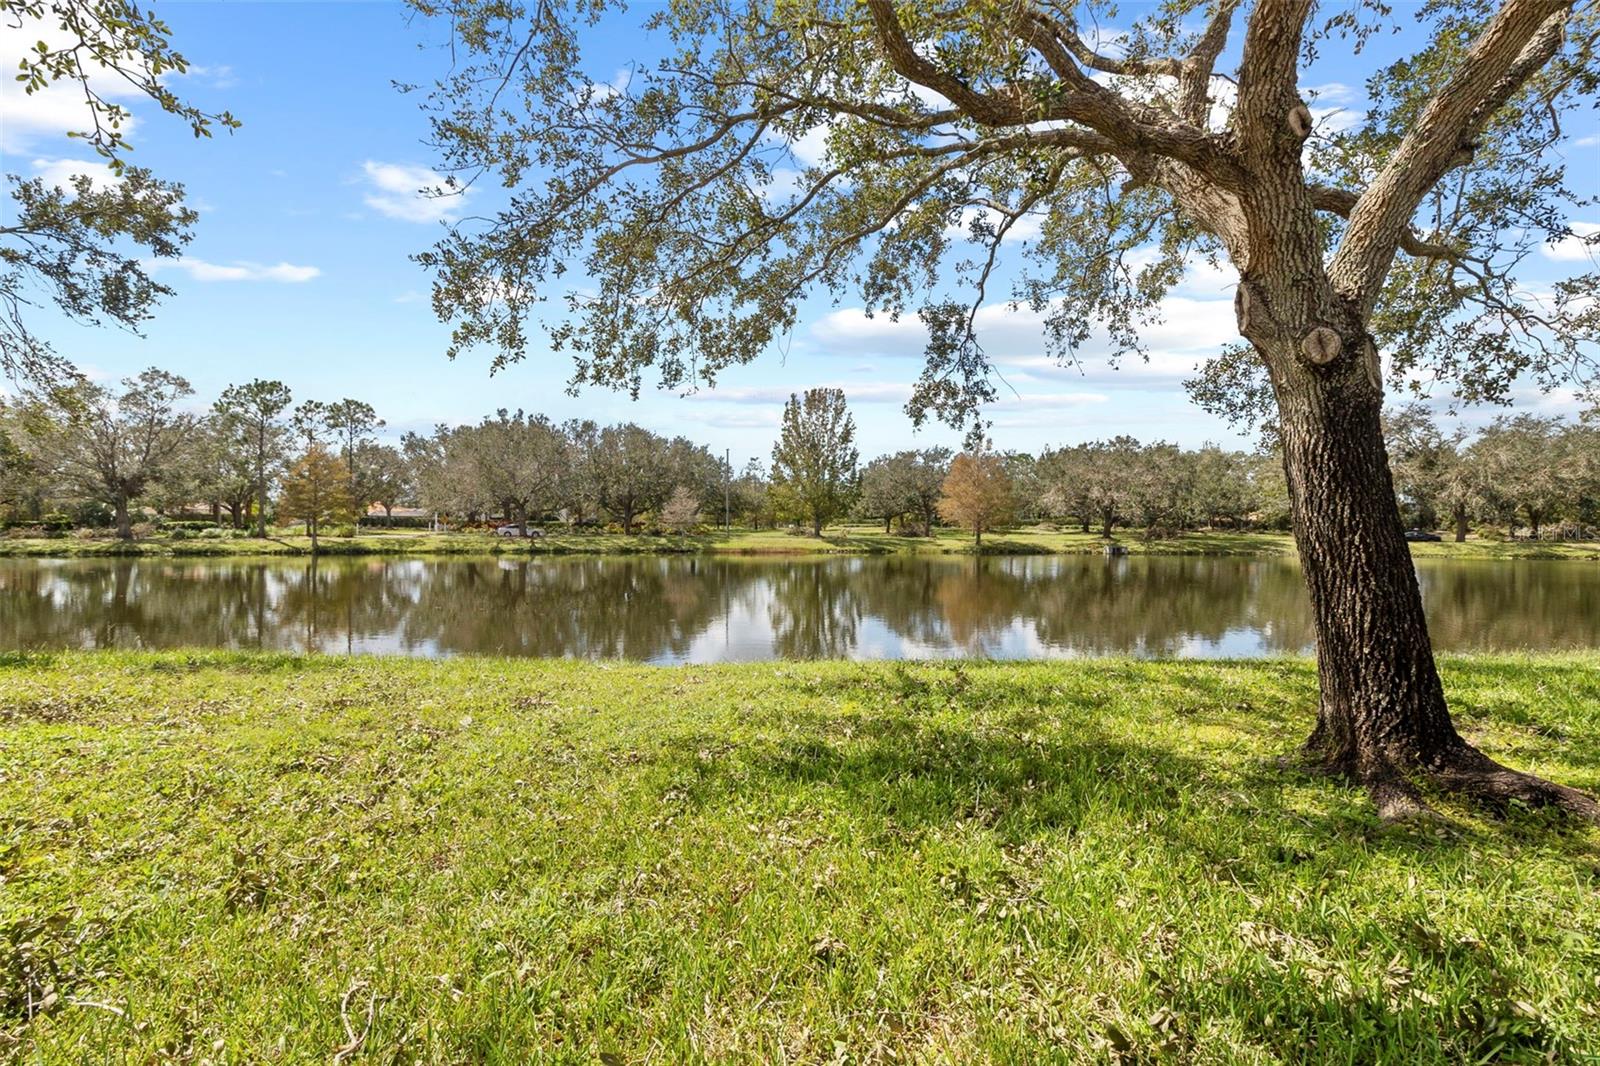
x=1531 y=474
x=89 y=454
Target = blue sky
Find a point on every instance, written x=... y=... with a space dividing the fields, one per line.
x=299 y=267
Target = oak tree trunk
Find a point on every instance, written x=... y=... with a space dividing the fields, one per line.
x=1382 y=718
x=1382 y=707
x=124 y=525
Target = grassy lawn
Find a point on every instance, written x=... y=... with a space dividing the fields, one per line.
x=273 y=859
x=842 y=539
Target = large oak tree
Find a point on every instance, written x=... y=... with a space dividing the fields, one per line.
x=696 y=229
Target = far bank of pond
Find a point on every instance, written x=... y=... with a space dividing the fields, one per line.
x=699 y=609
x=837 y=540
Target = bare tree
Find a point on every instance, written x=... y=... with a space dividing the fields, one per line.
x=682 y=511
x=700 y=232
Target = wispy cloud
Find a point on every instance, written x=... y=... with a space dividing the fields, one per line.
x=410 y=193
x=60 y=172
x=1591 y=141
x=854 y=392
x=239 y=270
x=1582 y=246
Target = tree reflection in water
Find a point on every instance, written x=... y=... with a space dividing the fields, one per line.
x=702 y=609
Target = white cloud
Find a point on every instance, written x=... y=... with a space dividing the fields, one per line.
x=735 y=418
x=60 y=172
x=1196 y=320
x=239 y=270
x=60 y=106
x=1331 y=93
x=407 y=191
x=1026 y=228
x=1591 y=141
x=1038 y=400
x=811 y=147
x=1583 y=246
x=218 y=77
x=854 y=392
x=1330 y=120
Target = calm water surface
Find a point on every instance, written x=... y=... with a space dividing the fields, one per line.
x=708 y=610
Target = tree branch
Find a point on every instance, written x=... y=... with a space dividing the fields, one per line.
x=1520 y=39
x=1268 y=83
x=1084 y=102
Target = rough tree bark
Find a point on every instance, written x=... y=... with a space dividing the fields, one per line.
x=1382 y=718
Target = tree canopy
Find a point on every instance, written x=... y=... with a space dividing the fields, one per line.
x=890 y=151
x=814 y=460
x=69 y=246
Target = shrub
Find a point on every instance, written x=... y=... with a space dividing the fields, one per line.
x=377 y=521
x=92 y=515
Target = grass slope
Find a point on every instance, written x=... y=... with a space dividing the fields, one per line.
x=846 y=540
x=234 y=858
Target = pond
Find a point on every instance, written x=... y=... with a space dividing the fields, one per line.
x=696 y=609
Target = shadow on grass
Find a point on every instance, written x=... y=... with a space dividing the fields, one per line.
x=1024 y=759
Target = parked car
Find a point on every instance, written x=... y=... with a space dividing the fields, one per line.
x=514 y=530
x=1420 y=534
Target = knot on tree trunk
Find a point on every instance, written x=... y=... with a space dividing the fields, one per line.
x=1299 y=120
x=1321 y=346
x=1241 y=307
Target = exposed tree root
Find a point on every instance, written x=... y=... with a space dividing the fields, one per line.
x=1463 y=770
x=1396 y=798
x=1470 y=772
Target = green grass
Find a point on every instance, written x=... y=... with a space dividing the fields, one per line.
x=837 y=540
x=231 y=857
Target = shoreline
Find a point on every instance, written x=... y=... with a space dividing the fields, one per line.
x=762 y=544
